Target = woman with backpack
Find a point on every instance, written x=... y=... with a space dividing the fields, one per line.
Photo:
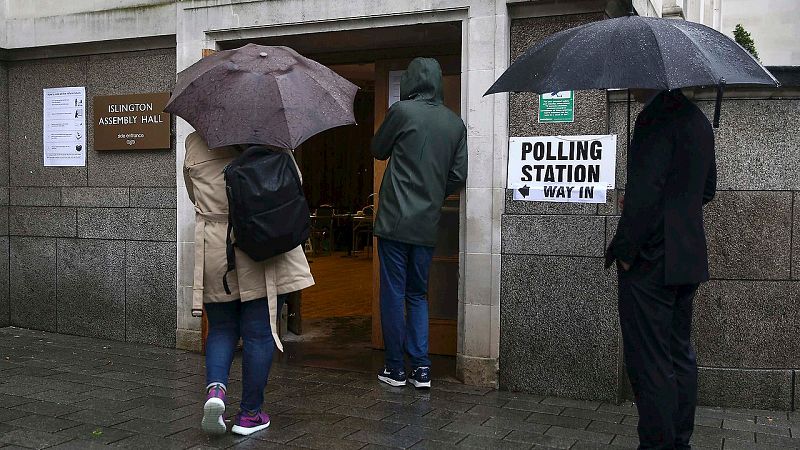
x=257 y=291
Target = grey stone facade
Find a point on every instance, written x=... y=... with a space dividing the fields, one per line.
x=559 y=325
x=91 y=250
x=5 y=311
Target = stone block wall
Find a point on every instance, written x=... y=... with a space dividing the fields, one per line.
x=92 y=250
x=559 y=324
x=747 y=317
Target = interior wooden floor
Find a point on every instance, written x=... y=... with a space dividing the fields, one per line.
x=343 y=286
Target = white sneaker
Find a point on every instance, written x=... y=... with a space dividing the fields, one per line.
x=213 y=423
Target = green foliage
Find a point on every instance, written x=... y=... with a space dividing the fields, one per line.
x=744 y=39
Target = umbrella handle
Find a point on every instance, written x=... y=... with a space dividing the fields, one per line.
x=718 y=105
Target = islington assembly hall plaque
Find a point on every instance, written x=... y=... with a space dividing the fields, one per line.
x=131 y=122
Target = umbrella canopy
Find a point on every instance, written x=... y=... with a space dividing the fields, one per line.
x=632 y=52
x=261 y=95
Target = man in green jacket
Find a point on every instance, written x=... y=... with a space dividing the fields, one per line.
x=427 y=144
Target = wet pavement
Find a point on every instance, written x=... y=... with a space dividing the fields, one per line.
x=70 y=392
x=346 y=343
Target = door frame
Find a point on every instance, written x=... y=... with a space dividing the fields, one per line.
x=437 y=326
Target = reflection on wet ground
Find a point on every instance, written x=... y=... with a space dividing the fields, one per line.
x=345 y=343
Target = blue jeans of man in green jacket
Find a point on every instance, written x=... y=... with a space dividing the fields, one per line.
x=404 y=288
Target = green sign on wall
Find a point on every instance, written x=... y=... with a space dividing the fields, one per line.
x=557 y=107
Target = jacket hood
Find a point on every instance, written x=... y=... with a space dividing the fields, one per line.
x=422 y=81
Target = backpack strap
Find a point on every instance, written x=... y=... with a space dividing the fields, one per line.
x=231 y=256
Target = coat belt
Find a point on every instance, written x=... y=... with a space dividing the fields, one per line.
x=201 y=217
x=271 y=283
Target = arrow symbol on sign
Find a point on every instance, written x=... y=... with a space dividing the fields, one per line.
x=525 y=191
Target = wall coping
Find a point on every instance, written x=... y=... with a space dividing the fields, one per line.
x=89 y=48
x=731 y=93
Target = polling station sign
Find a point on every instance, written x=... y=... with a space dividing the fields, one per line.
x=562 y=168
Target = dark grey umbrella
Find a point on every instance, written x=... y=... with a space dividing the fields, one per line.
x=633 y=52
x=261 y=95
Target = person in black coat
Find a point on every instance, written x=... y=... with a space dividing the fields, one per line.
x=661 y=256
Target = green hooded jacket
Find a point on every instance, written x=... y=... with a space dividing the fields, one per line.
x=427 y=144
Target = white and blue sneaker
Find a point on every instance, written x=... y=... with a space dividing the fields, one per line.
x=392 y=377
x=421 y=377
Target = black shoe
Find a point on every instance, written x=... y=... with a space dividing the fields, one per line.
x=421 y=377
x=392 y=377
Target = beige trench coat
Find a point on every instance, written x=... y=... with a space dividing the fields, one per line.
x=282 y=274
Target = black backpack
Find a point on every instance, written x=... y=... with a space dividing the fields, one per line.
x=267 y=210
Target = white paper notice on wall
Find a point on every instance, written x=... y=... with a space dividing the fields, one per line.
x=577 y=169
x=394 y=86
x=64 y=136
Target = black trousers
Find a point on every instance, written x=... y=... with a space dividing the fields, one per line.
x=656 y=322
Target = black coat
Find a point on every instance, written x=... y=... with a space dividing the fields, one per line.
x=672 y=173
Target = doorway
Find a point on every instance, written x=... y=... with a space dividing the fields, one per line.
x=337 y=322
x=335 y=315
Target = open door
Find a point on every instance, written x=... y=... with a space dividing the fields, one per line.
x=443 y=283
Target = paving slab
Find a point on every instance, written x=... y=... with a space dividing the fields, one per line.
x=540 y=439
x=322 y=442
x=491 y=443
x=96 y=434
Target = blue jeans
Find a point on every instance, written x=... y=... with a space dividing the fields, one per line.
x=229 y=321
x=404 y=286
